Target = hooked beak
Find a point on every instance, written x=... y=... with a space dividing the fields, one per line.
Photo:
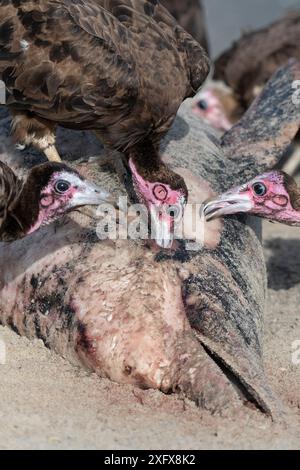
x=162 y=229
x=91 y=194
x=228 y=203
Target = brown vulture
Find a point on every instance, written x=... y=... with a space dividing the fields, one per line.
x=119 y=67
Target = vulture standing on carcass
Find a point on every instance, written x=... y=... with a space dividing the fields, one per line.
x=50 y=191
x=274 y=196
x=241 y=72
x=190 y=15
x=119 y=67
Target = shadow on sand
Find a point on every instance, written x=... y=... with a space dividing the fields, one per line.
x=284 y=263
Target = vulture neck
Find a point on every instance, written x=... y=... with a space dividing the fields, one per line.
x=292 y=214
x=296 y=220
x=147 y=161
x=291 y=217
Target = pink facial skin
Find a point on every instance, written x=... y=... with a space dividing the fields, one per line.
x=276 y=203
x=164 y=204
x=65 y=191
x=209 y=108
x=52 y=204
x=268 y=196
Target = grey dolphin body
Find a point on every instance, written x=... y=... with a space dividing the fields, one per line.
x=188 y=321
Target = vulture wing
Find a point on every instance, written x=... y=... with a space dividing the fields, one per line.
x=62 y=63
x=122 y=67
x=190 y=15
x=135 y=16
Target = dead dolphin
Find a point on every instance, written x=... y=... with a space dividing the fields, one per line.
x=184 y=320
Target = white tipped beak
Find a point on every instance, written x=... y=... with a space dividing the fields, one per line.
x=160 y=231
x=226 y=204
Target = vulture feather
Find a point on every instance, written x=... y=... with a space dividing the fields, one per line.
x=119 y=67
x=190 y=15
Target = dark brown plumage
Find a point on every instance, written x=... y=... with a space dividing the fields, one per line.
x=190 y=15
x=10 y=187
x=293 y=190
x=119 y=67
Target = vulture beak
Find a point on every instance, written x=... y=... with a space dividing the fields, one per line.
x=231 y=202
x=162 y=229
x=91 y=194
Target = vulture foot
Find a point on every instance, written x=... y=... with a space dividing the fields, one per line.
x=52 y=154
x=28 y=129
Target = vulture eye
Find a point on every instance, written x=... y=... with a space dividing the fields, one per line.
x=62 y=186
x=202 y=104
x=173 y=211
x=259 y=189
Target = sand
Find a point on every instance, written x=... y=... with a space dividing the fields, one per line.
x=49 y=404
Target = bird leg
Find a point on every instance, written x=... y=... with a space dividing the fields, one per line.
x=52 y=154
x=29 y=129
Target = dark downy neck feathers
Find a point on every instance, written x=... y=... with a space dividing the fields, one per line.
x=150 y=167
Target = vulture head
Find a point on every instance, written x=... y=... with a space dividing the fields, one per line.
x=217 y=106
x=165 y=195
x=273 y=195
x=51 y=190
